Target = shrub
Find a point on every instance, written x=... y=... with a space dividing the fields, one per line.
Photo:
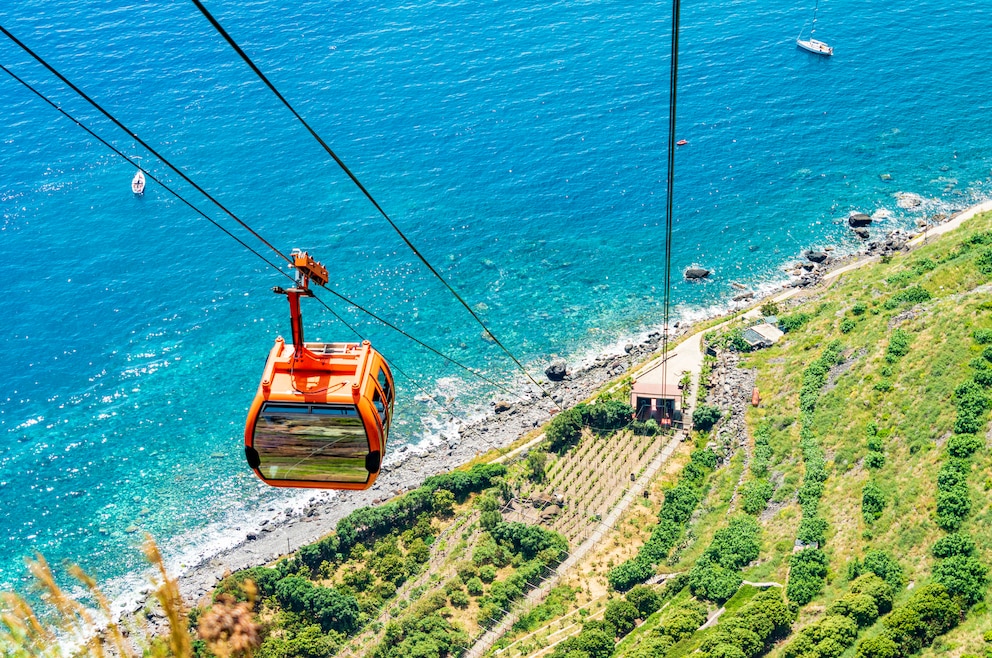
x=487 y=573
x=964 y=445
x=885 y=567
x=982 y=336
x=859 y=607
x=953 y=473
x=683 y=621
x=593 y=643
x=736 y=545
x=847 y=325
x=963 y=576
x=812 y=530
x=953 y=506
x=957 y=543
x=880 y=591
x=875 y=444
x=474 y=586
x=622 y=614
x=828 y=638
x=880 y=646
x=629 y=573
x=874 y=460
x=898 y=344
x=322 y=605
x=807 y=570
x=645 y=599
x=459 y=598
x=536 y=462
x=606 y=415
x=984 y=261
x=705 y=417
x=708 y=580
x=929 y=613
x=564 y=430
x=755 y=495
x=859 y=308
x=788 y=323
x=872 y=502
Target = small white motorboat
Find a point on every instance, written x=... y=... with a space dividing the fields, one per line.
x=815 y=47
x=138 y=183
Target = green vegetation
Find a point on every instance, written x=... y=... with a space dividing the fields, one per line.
x=680 y=502
x=808 y=567
x=716 y=575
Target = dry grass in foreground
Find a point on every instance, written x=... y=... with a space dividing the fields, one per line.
x=70 y=628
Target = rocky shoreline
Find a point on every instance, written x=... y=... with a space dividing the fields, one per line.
x=505 y=423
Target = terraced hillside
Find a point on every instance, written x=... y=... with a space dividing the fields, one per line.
x=849 y=514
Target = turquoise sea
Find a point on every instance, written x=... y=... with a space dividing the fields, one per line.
x=521 y=145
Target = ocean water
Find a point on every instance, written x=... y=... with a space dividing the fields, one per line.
x=521 y=146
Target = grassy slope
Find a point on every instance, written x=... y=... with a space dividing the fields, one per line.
x=915 y=417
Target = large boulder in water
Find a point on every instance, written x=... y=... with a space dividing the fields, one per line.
x=693 y=273
x=858 y=220
x=817 y=256
x=557 y=371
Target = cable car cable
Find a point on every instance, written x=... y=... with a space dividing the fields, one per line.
x=251 y=64
x=672 y=89
x=145 y=171
x=135 y=137
x=417 y=341
x=236 y=238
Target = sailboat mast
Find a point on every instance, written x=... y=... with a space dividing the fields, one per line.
x=813 y=27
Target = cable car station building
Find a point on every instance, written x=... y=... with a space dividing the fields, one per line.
x=652 y=397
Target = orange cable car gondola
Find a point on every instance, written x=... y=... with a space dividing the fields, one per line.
x=322 y=412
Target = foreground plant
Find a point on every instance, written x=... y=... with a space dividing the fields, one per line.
x=72 y=629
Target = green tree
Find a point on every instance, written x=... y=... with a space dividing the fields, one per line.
x=958 y=543
x=963 y=576
x=885 y=567
x=705 y=417
x=645 y=599
x=536 y=462
x=443 y=503
x=880 y=646
x=622 y=614
x=564 y=429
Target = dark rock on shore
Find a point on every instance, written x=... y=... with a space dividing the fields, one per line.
x=502 y=405
x=862 y=233
x=557 y=371
x=692 y=273
x=817 y=256
x=895 y=241
x=858 y=220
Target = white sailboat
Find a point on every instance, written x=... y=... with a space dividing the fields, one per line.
x=138 y=183
x=813 y=45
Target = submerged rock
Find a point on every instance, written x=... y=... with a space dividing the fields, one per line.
x=908 y=200
x=696 y=273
